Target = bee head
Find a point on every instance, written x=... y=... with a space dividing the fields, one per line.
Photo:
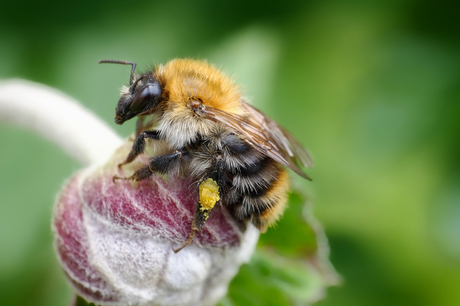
x=143 y=96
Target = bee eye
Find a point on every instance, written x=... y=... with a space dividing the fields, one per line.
x=143 y=97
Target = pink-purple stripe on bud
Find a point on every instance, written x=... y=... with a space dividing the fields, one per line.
x=115 y=241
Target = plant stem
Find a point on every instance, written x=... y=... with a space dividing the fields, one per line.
x=58 y=118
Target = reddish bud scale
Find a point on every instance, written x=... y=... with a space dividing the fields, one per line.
x=72 y=243
x=115 y=241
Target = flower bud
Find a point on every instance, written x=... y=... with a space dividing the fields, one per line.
x=115 y=240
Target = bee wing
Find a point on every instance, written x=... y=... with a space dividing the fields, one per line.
x=267 y=137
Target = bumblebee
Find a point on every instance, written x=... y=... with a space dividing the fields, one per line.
x=234 y=152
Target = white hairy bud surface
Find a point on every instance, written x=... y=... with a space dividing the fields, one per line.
x=115 y=241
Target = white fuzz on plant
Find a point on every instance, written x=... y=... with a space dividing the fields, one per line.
x=59 y=118
x=115 y=241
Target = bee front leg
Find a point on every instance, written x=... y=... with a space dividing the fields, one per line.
x=139 y=145
x=161 y=164
x=139 y=125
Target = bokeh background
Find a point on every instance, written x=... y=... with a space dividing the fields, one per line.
x=372 y=88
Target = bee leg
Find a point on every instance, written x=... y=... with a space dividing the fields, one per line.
x=161 y=164
x=209 y=196
x=139 y=145
x=189 y=240
x=199 y=219
x=139 y=175
x=139 y=126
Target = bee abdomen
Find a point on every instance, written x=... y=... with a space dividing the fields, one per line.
x=265 y=208
x=259 y=183
x=256 y=178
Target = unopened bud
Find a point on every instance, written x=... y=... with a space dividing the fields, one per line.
x=115 y=241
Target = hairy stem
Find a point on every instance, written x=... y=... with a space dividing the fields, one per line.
x=58 y=118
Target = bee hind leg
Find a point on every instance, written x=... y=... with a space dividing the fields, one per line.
x=209 y=196
x=199 y=219
x=139 y=145
x=187 y=242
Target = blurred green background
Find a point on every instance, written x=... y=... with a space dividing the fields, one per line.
x=372 y=88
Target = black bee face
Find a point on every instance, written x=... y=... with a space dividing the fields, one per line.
x=143 y=96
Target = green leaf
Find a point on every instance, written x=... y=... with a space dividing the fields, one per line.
x=81 y=302
x=292 y=236
x=290 y=266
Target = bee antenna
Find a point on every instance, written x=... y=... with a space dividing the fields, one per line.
x=131 y=77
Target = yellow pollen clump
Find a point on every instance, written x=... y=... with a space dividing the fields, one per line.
x=209 y=194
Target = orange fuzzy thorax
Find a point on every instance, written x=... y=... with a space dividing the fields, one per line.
x=186 y=80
